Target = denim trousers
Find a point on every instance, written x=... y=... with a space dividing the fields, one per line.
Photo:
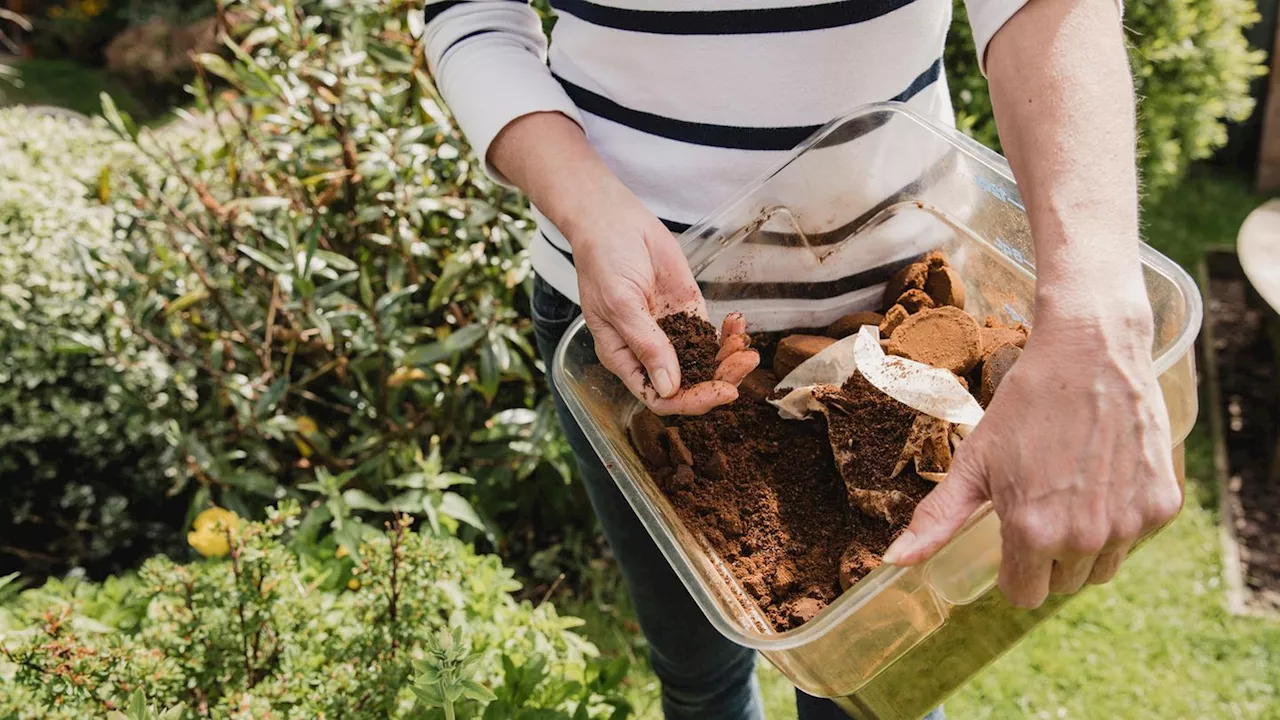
x=704 y=675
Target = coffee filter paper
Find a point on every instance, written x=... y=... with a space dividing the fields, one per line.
x=947 y=409
x=933 y=391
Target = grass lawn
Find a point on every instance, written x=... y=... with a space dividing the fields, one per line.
x=65 y=84
x=1155 y=643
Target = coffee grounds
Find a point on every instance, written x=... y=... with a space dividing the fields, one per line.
x=696 y=346
x=766 y=494
x=945 y=286
x=994 y=335
x=852 y=323
x=868 y=430
x=994 y=368
x=945 y=337
x=793 y=350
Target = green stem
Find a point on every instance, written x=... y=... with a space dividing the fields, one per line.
x=448 y=705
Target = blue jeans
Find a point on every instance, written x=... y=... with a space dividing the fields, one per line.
x=704 y=675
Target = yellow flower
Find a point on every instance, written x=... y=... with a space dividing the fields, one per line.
x=209 y=532
x=353 y=584
x=403 y=375
x=306 y=426
x=342 y=551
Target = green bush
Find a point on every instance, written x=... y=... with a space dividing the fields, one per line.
x=282 y=629
x=1192 y=67
x=85 y=453
x=347 y=287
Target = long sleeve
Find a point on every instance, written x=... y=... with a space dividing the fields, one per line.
x=489 y=59
x=986 y=17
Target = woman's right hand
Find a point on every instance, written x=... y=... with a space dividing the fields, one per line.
x=630 y=268
x=631 y=271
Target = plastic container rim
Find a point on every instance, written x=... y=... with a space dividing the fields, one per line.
x=885 y=576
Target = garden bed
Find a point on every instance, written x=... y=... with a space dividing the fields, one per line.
x=1241 y=351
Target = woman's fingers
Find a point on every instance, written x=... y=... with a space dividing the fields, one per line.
x=697 y=400
x=734 y=324
x=737 y=366
x=731 y=344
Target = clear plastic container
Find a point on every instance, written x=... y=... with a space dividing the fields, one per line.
x=867 y=193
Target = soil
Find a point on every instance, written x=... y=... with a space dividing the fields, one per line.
x=696 y=346
x=802 y=510
x=1247 y=344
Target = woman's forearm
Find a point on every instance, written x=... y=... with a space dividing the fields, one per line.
x=1064 y=104
x=548 y=157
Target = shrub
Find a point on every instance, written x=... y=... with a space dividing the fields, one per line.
x=282 y=629
x=1192 y=68
x=84 y=449
x=343 y=280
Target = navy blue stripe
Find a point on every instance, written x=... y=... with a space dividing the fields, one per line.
x=730 y=22
x=567 y=255
x=801 y=290
x=723 y=136
x=788 y=290
x=468 y=36
x=675 y=227
x=433 y=9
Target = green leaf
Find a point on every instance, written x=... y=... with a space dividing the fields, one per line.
x=455 y=268
x=449 y=479
x=366 y=290
x=406 y=502
x=387 y=301
x=322 y=324
x=216 y=65
x=341 y=263
x=272 y=396
x=477 y=692
x=428 y=695
x=361 y=500
x=118 y=120
x=393 y=60
x=138 y=705
x=335 y=285
x=259 y=36
x=459 y=340
x=489 y=377
x=186 y=301
x=267 y=261
x=457 y=507
x=348 y=536
x=258 y=205
x=252 y=482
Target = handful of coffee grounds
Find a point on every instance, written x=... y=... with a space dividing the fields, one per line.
x=696 y=346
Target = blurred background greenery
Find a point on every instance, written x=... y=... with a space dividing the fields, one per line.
x=314 y=314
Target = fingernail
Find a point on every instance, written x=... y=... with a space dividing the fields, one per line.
x=899 y=548
x=662 y=383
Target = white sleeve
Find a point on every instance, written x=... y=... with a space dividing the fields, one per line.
x=489 y=59
x=986 y=17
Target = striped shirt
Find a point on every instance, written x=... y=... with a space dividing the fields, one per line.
x=688 y=101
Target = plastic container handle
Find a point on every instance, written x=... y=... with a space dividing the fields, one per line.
x=968 y=566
